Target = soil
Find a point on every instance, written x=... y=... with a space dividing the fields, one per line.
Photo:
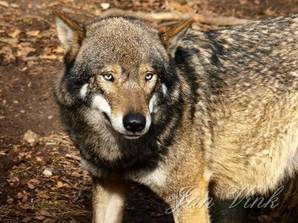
x=41 y=179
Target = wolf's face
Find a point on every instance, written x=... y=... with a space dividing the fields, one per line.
x=127 y=99
x=117 y=67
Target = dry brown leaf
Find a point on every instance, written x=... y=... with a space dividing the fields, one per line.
x=31 y=137
x=49 y=57
x=60 y=184
x=24 y=49
x=33 y=33
x=44 y=212
x=270 y=12
x=27 y=219
x=47 y=172
x=4 y=4
x=39 y=217
x=7 y=53
x=43 y=195
x=105 y=5
x=11 y=41
x=58 y=49
x=20 y=195
x=175 y=6
x=9 y=200
x=74 y=157
x=39 y=159
x=32 y=183
x=25 y=197
x=14 y=5
x=15 y=33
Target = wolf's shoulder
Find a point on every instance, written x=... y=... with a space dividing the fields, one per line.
x=261 y=54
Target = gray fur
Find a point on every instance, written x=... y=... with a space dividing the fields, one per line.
x=229 y=115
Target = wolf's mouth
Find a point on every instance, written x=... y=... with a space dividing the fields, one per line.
x=132 y=136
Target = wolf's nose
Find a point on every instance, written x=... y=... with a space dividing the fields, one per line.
x=134 y=122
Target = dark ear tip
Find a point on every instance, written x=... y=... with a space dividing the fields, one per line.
x=59 y=14
x=187 y=23
x=175 y=30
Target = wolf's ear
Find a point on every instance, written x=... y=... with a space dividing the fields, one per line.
x=70 y=34
x=171 y=37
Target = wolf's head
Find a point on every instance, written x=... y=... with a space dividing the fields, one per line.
x=118 y=67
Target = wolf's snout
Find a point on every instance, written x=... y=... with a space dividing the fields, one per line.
x=134 y=122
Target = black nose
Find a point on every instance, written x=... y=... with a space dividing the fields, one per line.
x=134 y=122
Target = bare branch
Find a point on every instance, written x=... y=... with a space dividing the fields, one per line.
x=205 y=19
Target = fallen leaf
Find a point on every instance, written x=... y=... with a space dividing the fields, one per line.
x=25 y=197
x=24 y=49
x=4 y=4
x=11 y=41
x=15 y=33
x=105 y=5
x=19 y=195
x=27 y=219
x=60 y=184
x=49 y=57
x=32 y=183
x=14 y=181
x=31 y=137
x=33 y=33
x=58 y=49
x=50 y=220
x=44 y=212
x=74 y=157
x=270 y=12
x=39 y=217
x=39 y=159
x=14 y=5
x=35 y=181
x=43 y=195
x=47 y=172
x=7 y=53
x=176 y=6
x=9 y=200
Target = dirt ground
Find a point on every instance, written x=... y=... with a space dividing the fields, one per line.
x=41 y=179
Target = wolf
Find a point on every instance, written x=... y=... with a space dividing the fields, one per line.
x=180 y=109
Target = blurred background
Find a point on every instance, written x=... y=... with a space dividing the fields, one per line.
x=41 y=179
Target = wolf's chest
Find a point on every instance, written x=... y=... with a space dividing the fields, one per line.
x=154 y=178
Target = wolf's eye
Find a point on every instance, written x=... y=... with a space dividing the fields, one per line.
x=108 y=77
x=149 y=76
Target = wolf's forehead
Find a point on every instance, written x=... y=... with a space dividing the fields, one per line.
x=119 y=25
x=121 y=43
x=113 y=52
x=120 y=30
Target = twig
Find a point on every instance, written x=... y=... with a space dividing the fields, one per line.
x=205 y=19
x=38 y=18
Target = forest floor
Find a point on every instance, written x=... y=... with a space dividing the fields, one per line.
x=41 y=179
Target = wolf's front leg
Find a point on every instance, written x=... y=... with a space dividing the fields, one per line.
x=108 y=200
x=190 y=204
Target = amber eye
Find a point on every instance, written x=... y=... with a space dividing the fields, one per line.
x=108 y=77
x=149 y=76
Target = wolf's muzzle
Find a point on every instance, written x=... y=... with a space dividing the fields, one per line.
x=134 y=122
